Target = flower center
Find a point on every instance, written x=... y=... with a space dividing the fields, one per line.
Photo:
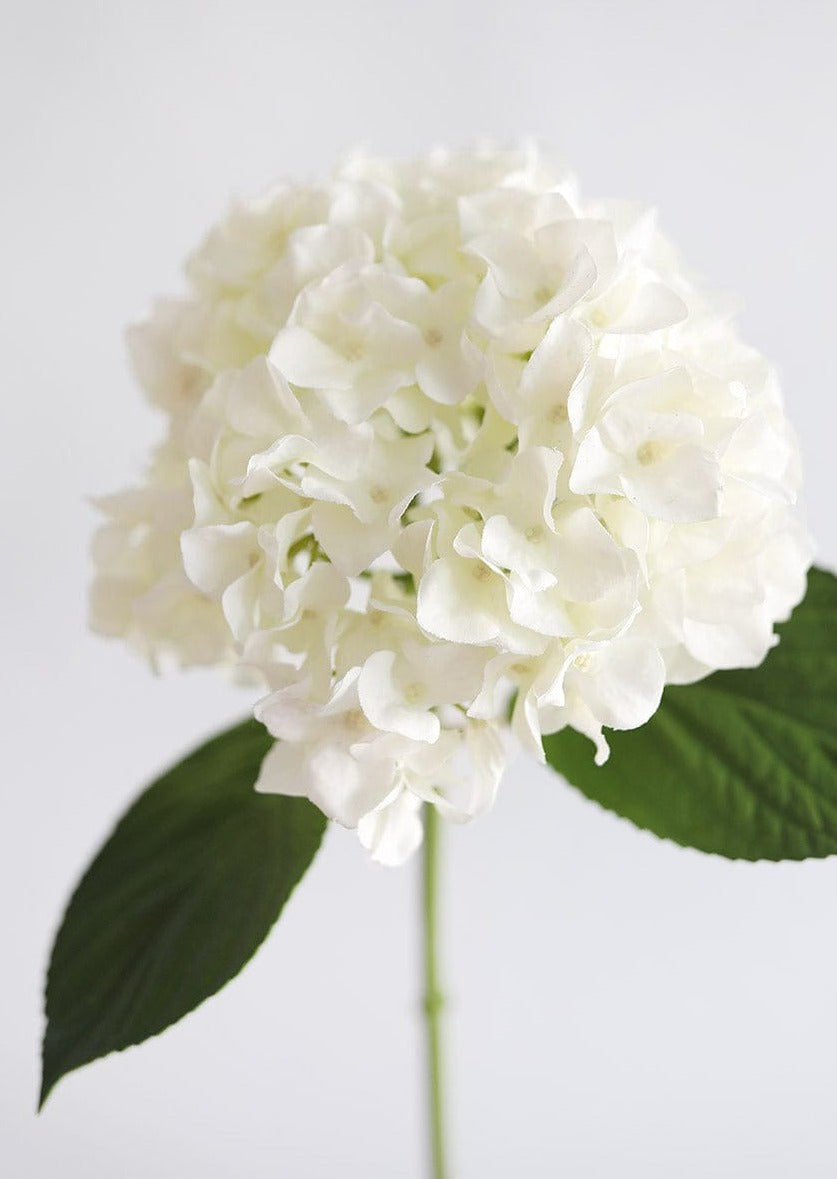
x=650 y=452
x=378 y=494
x=480 y=571
x=558 y=413
x=414 y=693
x=353 y=351
x=354 y=723
x=433 y=337
x=534 y=534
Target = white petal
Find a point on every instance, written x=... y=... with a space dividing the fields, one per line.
x=306 y=361
x=683 y=487
x=350 y=543
x=394 y=831
x=218 y=554
x=622 y=683
x=596 y=468
x=653 y=307
x=462 y=600
x=345 y=788
x=384 y=703
x=284 y=770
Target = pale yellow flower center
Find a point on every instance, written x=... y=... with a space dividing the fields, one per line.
x=650 y=452
x=353 y=351
x=480 y=571
x=354 y=723
x=414 y=693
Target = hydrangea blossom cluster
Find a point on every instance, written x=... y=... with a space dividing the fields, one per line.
x=450 y=450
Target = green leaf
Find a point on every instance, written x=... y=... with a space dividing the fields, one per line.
x=743 y=763
x=175 y=903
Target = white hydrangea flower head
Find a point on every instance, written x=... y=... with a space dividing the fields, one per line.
x=449 y=445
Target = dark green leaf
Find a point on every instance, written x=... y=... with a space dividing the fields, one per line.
x=175 y=903
x=743 y=763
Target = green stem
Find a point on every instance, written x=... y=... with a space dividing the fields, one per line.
x=433 y=998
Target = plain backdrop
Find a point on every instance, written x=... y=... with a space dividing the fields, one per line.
x=621 y=1009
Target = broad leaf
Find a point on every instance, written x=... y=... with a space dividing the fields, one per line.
x=175 y=903
x=743 y=763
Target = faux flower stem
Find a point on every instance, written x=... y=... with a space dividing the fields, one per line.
x=433 y=998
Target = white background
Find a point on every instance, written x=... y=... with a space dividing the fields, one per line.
x=622 y=1009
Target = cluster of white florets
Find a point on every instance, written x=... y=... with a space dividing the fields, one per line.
x=446 y=442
